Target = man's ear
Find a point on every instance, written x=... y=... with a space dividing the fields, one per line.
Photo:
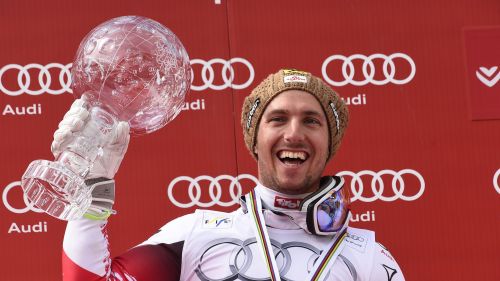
x=255 y=154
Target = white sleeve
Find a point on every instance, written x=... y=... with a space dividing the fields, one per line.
x=86 y=247
x=385 y=267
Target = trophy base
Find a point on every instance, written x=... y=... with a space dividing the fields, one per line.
x=56 y=190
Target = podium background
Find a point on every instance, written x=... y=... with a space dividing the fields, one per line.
x=420 y=154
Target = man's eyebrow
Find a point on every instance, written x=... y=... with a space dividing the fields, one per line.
x=312 y=113
x=277 y=111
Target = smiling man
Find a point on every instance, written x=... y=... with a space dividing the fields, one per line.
x=292 y=143
x=292 y=226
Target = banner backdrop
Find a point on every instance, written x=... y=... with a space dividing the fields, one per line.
x=417 y=75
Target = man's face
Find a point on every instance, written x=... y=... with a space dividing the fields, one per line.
x=292 y=143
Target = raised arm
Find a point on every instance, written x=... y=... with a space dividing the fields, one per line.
x=86 y=253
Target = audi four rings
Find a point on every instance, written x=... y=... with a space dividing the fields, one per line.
x=368 y=69
x=44 y=80
x=377 y=185
x=227 y=74
x=215 y=191
x=242 y=257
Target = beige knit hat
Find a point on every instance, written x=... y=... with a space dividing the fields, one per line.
x=290 y=79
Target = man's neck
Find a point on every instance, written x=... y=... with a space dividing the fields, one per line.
x=275 y=200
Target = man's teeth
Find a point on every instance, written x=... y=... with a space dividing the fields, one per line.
x=292 y=155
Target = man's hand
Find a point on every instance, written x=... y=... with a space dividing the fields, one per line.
x=74 y=121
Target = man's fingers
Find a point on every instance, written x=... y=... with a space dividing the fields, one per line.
x=72 y=124
x=122 y=134
x=80 y=103
x=60 y=137
x=74 y=120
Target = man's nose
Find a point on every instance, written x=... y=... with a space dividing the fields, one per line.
x=294 y=132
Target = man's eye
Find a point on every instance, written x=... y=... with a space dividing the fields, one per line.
x=312 y=121
x=277 y=119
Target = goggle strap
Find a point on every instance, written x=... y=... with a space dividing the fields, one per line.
x=308 y=204
x=333 y=182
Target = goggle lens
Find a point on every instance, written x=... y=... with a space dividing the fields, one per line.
x=332 y=211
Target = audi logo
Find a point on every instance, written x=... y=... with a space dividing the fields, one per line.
x=43 y=79
x=368 y=69
x=361 y=189
x=227 y=74
x=377 y=185
x=24 y=206
x=241 y=262
x=36 y=79
x=215 y=190
x=495 y=181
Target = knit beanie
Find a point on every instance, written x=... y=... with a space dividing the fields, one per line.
x=291 y=79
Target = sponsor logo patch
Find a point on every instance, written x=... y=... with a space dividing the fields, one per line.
x=356 y=242
x=292 y=75
x=211 y=220
x=286 y=203
x=295 y=78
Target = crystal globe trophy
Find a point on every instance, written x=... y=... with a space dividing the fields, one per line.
x=129 y=69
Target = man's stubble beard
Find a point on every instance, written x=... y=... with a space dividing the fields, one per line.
x=308 y=185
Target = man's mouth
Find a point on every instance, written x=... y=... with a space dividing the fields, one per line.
x=293 y=158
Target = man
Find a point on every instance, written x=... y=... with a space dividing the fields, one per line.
x=292 y=226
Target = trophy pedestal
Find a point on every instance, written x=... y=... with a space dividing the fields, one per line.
x=56 y=189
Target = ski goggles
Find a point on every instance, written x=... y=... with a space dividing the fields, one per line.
x=328 y=208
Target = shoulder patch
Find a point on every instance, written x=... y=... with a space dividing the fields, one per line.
x=214 y=220
x=356 y=241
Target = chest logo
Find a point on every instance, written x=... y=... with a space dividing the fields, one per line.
x=216 y=221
